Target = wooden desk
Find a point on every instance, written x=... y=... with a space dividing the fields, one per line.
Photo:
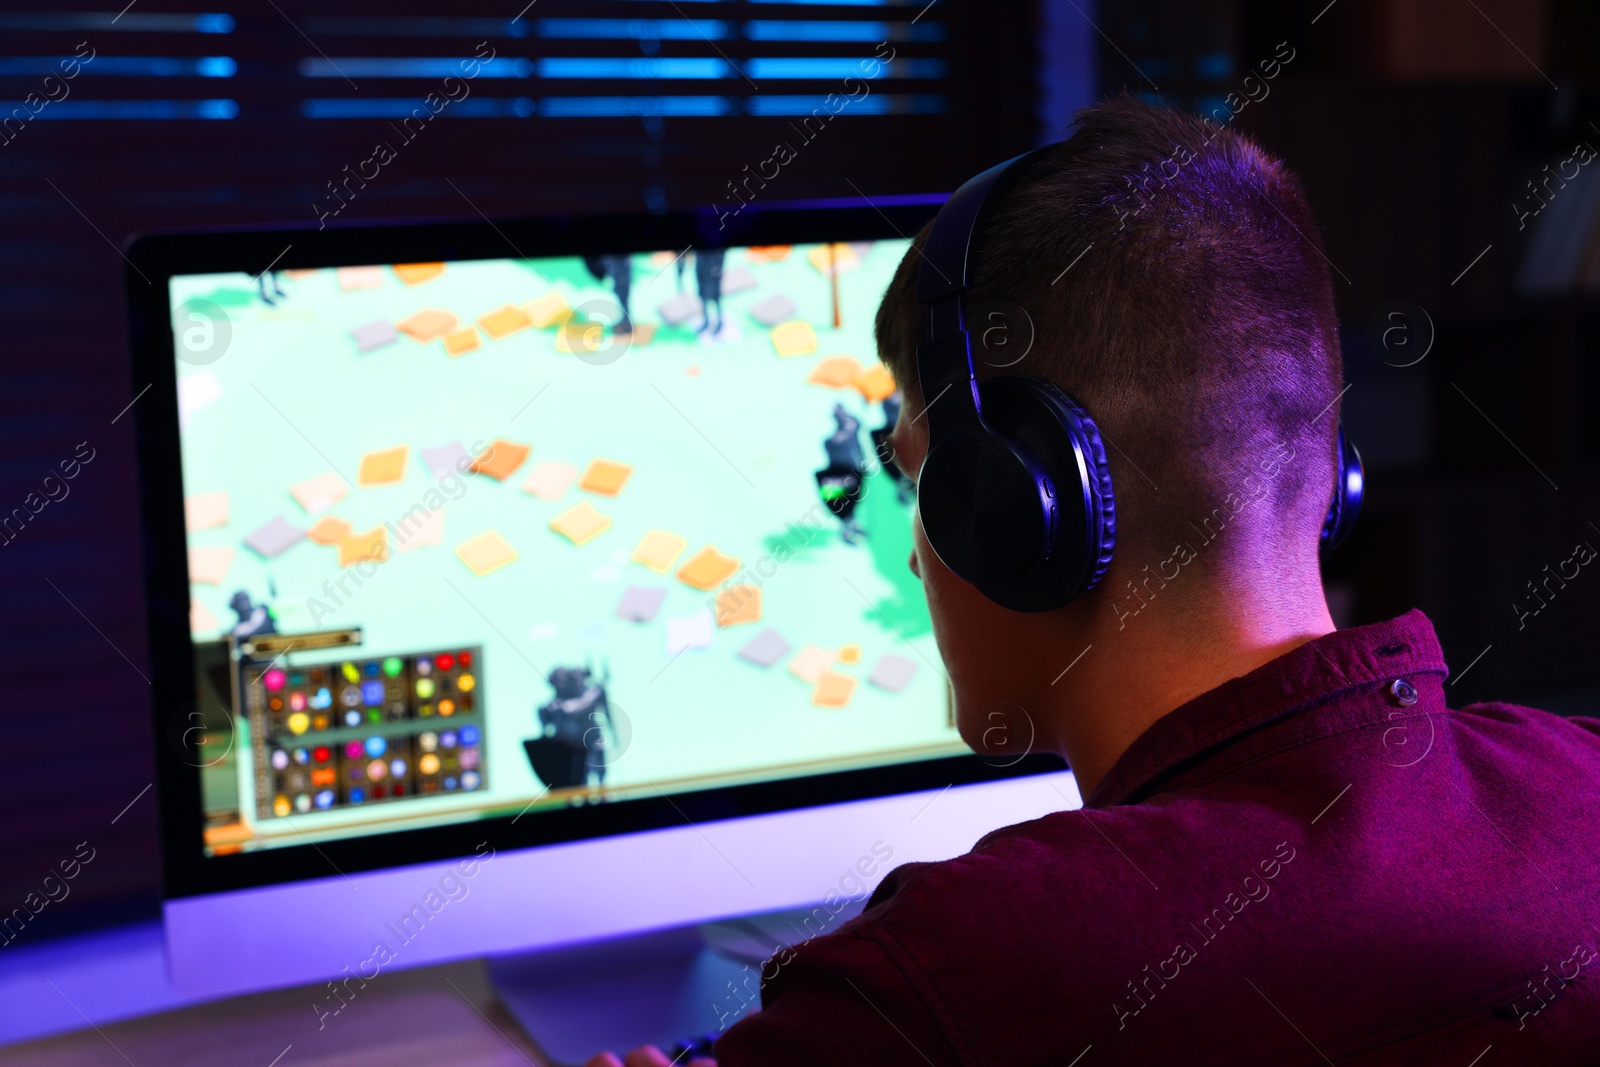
x=433 y=1015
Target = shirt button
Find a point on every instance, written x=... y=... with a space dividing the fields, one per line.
x=1404 y=693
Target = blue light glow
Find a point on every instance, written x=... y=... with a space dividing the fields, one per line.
x=824 y=30
x=564 y=67
x=842 y=67
x=474 y=107
x=415 y=67
x=140 y=109
x=1214 y=65
x=874 y=104
x=121 y=66
x=127 y=22
x=633 y=29
x=574 y=107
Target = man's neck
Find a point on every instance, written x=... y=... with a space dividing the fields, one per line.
x=1139 y=672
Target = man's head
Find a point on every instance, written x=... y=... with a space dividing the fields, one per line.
x=1170 y=276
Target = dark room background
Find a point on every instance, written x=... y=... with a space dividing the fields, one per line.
x=1439 y=140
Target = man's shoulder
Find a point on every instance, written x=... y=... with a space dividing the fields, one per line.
x=1545 y=751
x=1028 y=890
x=1556 y=728
x=1072 y=849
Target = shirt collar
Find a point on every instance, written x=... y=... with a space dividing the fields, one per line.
x=1313 y=674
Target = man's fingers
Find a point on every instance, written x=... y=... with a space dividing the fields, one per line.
x=645 y=1056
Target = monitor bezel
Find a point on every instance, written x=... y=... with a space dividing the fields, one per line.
x=153 y=259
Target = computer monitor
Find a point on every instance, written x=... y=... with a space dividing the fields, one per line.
x=524 y=584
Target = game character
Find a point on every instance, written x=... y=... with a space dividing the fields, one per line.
x=253 y=618
x=905 y=488
x=572 y=743
x=840 y=481
x=708 y=280
x=619 y=269
x=265 y=278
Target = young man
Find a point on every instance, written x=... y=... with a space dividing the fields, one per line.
x=1291 y=850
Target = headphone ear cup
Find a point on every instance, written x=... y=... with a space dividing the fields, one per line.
x=1057 y=430
x=1347 y=493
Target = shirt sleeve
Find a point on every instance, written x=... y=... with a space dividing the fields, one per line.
x=837 y=999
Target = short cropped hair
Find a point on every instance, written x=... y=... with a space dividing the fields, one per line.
x=1173 y=278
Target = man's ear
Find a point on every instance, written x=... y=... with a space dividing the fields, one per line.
x=910 y=439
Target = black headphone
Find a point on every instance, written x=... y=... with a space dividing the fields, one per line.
x=1015 y=492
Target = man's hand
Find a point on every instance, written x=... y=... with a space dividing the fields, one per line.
x=646 y=1056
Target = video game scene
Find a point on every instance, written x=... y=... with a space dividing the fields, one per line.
x=494 y=537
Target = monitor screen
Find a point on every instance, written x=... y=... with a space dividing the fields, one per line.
x=500 y=537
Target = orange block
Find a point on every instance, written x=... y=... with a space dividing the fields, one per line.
x=428 y=324
x=460 y=342
x=658 y=550
x=353 y=278
x=417 y=273
x=794 y=339
x=581 y=524
x=835 y=372
x=236 y=833
x=205 y=510
x=576 y=338
x=833 y=690
x=707 y=569
x=329 y=530
x=504 y=322
x=767 y=253
x=549 y=310
x=500 y=459
x=358 y=548
x=606 y=477
x=200 y=620
x=738 y=604
x=875 y=383
x=842 y=255
x=486 y=552
x=384 y=467
x=810 y=664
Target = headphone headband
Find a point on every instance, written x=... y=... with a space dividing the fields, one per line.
x=947 y=254
x=944 y=360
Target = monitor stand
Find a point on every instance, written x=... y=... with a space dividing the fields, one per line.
x=659 y=988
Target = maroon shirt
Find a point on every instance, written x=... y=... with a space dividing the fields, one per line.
x=1318 y=862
